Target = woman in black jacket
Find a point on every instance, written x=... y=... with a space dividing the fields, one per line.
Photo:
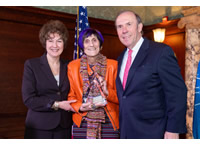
x=45 y=87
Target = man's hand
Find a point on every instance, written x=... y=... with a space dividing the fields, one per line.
x=170 y=135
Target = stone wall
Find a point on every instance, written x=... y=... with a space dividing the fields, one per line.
x=191 y=22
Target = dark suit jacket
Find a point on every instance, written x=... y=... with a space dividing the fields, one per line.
x=40 y=90
x=154 y=100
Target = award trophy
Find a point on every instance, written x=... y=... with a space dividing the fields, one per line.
x=96 y=99
x=99 y=99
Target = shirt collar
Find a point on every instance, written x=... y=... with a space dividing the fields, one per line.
x=138 y=45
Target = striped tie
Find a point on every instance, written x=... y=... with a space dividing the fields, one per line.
x=128 y=65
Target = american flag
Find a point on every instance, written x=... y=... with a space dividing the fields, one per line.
x=81 y=24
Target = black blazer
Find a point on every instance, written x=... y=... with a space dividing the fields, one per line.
x=40 y=90
x=155 y=96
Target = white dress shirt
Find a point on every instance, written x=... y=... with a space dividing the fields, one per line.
x=57 y=79
x=133 y=55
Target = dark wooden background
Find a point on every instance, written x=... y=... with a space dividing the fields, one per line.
x=19 y=28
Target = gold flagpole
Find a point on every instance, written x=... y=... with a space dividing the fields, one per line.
x=77 y=31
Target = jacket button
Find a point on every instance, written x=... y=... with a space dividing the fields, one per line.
x=124 y=97
x=58 y=93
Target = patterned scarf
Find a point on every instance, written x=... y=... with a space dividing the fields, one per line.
x=96 y=117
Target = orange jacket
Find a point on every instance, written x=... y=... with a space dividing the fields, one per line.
x=76 y=91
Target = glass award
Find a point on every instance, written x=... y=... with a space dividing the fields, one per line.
x=99 y=99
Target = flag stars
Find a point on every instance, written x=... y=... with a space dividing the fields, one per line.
x=82 y=24
x=82 y=14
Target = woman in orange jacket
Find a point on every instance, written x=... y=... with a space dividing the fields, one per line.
x=92 y=84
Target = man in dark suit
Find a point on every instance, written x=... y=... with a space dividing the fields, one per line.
x=151 y=91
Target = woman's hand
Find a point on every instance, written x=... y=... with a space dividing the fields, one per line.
x=90 y=106
x=101 y=83
x=65 y=105
x=86 y=107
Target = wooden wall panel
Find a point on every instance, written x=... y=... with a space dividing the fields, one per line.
x=177 y=42
x=174 y=37
x=16 y=46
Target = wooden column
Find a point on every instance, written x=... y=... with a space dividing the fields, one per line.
x=191 y=22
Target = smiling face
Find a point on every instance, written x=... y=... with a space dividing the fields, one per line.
x=54 y=45
x=91 y=46
x=128 y=29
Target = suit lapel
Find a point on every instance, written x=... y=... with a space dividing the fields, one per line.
x=118 y=81
x=137 y=61
x=47 y=70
